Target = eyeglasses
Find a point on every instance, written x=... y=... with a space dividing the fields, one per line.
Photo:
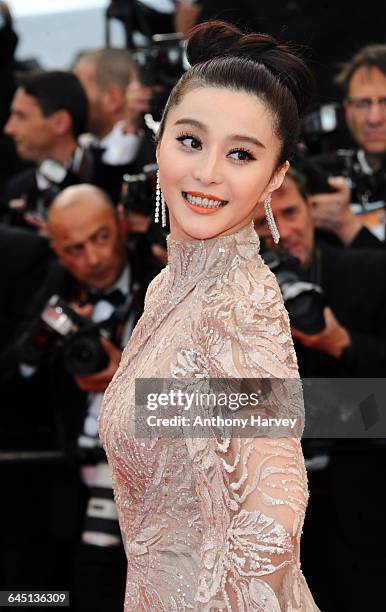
x=364 y=104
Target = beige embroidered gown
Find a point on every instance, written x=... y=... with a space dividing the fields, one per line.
x=208 y=524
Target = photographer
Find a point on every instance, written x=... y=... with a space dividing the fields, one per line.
x=351 y=343
x=101 y=284
x=48 y=113
x=363 y=80
x=118 y=148
x=123 y=147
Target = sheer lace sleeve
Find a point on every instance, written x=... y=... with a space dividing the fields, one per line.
x=253 y=496
x=252 y=491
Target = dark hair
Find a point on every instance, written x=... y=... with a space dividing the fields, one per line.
x=221 y=55
x=58 y=90
x=371 y=56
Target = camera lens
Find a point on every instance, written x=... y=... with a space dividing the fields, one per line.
x=84 y=355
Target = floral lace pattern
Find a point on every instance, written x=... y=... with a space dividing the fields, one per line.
x=215 y=523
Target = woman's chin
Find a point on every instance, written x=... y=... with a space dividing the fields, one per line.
x=197 y=230
x=205 y=228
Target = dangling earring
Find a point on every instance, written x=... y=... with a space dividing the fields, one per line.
x=159 y=201
x=270 y=219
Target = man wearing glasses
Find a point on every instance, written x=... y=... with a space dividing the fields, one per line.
x=363 y=80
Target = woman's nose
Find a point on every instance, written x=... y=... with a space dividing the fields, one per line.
x=209 y=168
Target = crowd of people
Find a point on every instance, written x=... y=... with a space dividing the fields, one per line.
x=80 y=247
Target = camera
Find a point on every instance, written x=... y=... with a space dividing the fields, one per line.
x=368 y=190
x=327 y=149
x=138 y=190
x=304 y=300
x=61 y=330
x=101 y=527
x=160 y=65
x=162 y=62
x=56 y=178
x=318 y=125
x=138 y=194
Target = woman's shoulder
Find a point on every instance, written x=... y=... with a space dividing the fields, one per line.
x=154 y=288
x=252 y=287
x=247 y=327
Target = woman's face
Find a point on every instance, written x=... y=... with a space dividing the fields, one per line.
x=216 y=161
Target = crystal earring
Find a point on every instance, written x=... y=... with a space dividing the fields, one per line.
x=270 y=219
x=159 y=202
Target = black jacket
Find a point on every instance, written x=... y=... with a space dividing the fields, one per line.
x=25 y=258
x=354 y=284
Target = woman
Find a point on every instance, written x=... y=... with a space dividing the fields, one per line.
x=215 y=524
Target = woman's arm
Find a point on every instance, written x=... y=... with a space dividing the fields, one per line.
x=252 y=491
x=253 y=495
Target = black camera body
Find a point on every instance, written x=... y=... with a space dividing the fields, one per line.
x=59 y=330
x=162 y=62
x=138 y=190
x=160 y=65
x=367 y=187
x=304 y=300
x=57 y=177
x=327 y=149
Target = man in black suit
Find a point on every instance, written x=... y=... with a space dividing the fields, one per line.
x=353 y=342
x=344 y=529
x=48 y=113
x=104 y=281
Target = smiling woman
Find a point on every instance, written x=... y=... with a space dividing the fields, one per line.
x=213 y=522
x=217 y=171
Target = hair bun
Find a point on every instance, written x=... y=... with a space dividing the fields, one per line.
x=213 y=39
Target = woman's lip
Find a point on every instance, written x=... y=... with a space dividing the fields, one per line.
x=201 y=210
x=198 y=194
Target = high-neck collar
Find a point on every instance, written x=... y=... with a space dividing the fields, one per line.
x=191 y=258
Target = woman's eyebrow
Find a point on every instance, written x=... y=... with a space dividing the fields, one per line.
x=193 y=122
x=202 y=126
x=246 y=139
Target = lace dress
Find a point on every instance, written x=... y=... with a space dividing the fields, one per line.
x=208 y=524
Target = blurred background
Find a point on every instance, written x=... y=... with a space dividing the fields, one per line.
x=43 y=28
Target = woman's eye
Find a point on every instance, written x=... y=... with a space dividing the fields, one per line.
x=190 y=142
x=241 y=155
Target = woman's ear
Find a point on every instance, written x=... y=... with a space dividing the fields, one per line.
x=277 y=179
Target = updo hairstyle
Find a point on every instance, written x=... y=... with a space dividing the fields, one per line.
x=220 y=55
